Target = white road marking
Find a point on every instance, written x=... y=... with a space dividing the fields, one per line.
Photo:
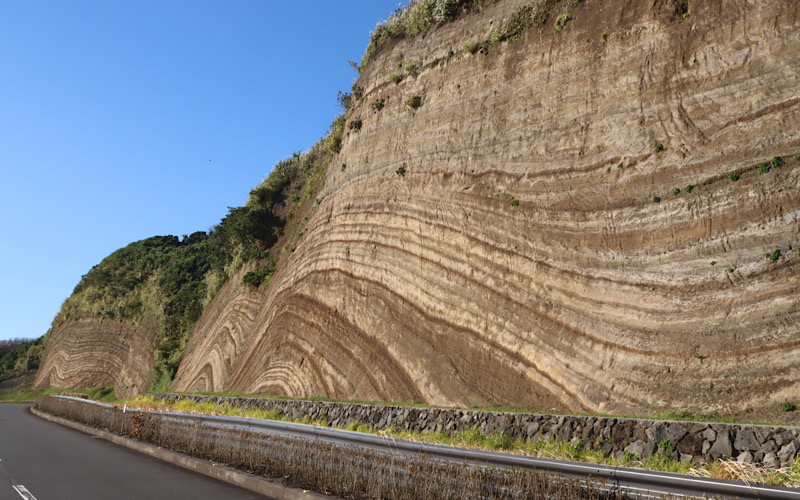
x=23 y=492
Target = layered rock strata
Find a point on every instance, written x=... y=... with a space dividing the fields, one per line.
x=93 y=352
x=571 y=220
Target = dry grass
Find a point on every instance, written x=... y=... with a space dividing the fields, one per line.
x=344 y=471
x=750 y=473
x=475 y=439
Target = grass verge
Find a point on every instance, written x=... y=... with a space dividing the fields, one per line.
x=25 y=395
x=340 y=470
x=476 y=439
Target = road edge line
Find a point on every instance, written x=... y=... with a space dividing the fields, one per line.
x=226 y=474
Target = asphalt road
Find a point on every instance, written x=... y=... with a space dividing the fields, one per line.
x=52 y=462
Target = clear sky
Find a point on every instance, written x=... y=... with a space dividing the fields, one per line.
x=125 y=119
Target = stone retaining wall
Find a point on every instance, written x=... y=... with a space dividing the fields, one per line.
x=697 y=442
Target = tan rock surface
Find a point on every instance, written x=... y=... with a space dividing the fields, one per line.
x=587 y=295
x=92 y=352
x=433 y=286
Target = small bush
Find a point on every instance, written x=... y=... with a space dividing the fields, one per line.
x=763 y=168
x=358 y=92
x=401 y=171
x=264 y=272
x=412 y=69
x=395 y=78
x=497 y=36
x=656 y=199
x=713 y=262
x=676 y=191
x=733 y=176
x=378 y=104
x=666 y=446
x=334 y=139
x=445 y=10
x=689 y=188
x=777 y=162
x=517 y=23
x=356 y=124
x=787 y=406
x=472 y=47
x=659 y=147
x=561 y=22
x=414 y=101
x=345 y=100
x=514 y=203
x=604 y=36
x=774 y=256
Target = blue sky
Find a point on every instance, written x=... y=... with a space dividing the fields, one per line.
x=125 y=119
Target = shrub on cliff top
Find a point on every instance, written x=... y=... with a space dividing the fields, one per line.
x=416 y=18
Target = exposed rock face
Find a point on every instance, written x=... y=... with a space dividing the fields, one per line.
x=98 y=353
x=435 y=285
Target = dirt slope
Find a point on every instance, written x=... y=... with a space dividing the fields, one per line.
x=437 y=286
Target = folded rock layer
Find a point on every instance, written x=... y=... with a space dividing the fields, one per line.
x=516 y=236
x=93 y=352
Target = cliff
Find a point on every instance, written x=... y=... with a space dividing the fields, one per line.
x=92 y=352
x=597 y=211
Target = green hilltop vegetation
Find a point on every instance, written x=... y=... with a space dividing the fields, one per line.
x=415 y=19
x=19 y=360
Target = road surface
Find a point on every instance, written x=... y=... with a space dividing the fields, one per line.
x=50 y=462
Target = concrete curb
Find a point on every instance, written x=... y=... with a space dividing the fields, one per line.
x=235 y=477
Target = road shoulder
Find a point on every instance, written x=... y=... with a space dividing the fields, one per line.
x=231 y=476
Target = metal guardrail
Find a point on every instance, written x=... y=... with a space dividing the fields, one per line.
x=636 y=483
